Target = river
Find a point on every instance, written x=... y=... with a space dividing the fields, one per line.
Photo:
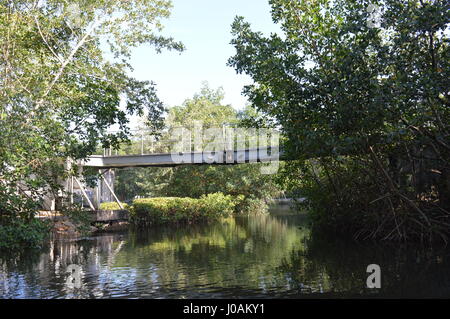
x=262 y=256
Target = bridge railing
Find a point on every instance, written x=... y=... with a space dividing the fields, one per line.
x=195 y=139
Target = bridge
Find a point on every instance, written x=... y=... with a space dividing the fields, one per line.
x=171 y=148
x=223 y=157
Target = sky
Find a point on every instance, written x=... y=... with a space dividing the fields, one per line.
x=204 y=27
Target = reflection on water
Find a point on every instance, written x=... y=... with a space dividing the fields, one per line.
x=257 y=256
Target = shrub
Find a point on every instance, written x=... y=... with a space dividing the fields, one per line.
x=19 y=234
x=249 y=205
x=112 y=206
x=182 y=210
x=81 y=219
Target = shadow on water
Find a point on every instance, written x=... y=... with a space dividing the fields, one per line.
x=263 y=256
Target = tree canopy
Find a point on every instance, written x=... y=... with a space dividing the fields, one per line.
x=64 y=81
x=368 y=99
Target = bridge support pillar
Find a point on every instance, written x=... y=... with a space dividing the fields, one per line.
x=97 y=195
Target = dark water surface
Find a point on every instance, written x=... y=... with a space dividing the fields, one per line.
x=270 y=256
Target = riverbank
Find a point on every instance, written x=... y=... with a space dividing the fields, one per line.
x=147 y=211
x=65 y=227
x=141 y=213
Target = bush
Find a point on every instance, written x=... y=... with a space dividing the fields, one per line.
x=112 y=206
x=182 y=210
x=19 y=234
x=248 y=205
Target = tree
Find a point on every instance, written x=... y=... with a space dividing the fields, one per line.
x=369 y=101
x=61 y=90
x=205 y=107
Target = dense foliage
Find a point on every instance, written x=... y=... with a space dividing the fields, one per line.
x=18 y=234
x=368 y=101
x=162 y=210
x=63 y=83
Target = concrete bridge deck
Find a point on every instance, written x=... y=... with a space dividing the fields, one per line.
x=223 y=157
